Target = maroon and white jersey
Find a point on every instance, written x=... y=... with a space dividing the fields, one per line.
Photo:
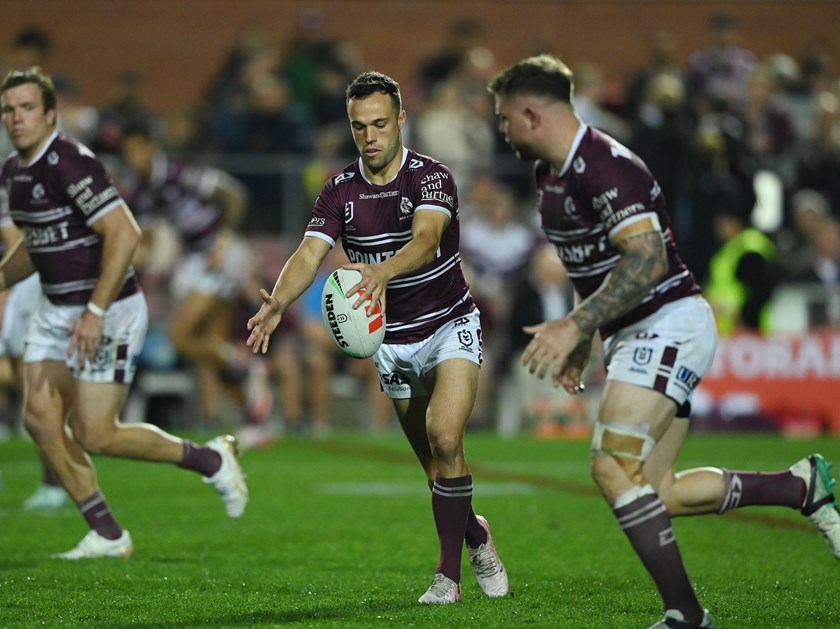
x=374 y=222
x=181 y=194
x=54 y=201
x=603 y=188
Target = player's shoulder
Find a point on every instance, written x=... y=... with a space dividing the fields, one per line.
x=64 y=149
x=418 y=164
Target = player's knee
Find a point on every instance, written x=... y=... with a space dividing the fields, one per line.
x=93 y=441
x=445 y=445
x=620 y=450
x=41 y=426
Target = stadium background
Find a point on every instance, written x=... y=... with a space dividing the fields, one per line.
x=179 y=47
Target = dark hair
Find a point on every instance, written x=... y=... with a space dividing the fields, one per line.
x=368 y=83
x=542 y=75
x=138 y=126
x=34 y=37
x=32 y=75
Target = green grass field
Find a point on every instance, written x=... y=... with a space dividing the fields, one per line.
x=339 y=533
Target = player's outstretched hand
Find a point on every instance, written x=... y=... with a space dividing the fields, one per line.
x=264 y=323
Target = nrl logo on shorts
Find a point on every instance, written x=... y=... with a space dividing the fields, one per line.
x=642 y=355
x=465 y=338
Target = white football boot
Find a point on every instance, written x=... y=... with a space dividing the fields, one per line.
x=442 y=591
x=674 y=619
x=820 y=505
x=46 y=497
x=487 y=567
x=93 y=545
x=229 y=480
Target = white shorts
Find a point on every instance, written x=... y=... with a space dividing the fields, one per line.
x=126 y=321
x=402 y=368
x=227 y=280
x=669 y=351
x=21 y=304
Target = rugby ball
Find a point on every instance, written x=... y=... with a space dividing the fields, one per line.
x=354 y=332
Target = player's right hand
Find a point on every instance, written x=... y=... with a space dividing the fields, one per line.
x=264 y=323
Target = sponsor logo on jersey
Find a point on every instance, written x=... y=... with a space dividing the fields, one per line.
x=435 y=176
x=436 y=195
x=317 y=222
x=655 y=191
x=414 y=164
x=603 y=200
x=52 y=158
x=369 y=258
x=555 y=189
x=41 y=236
x=569 y=206
x=379 y=195
x=342 y=177
x=579 y=165
x=38 y=192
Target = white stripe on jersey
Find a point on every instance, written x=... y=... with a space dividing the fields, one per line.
x=414 y=280
x=593 y=269
x=70 y=244
x=77 y=285
x=429 y=316
x=379 y=239
x=568 y=235
x=42 y=217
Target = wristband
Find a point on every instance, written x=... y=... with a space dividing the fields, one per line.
x=99 y=312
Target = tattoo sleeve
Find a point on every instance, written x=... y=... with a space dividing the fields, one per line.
x=643 y=261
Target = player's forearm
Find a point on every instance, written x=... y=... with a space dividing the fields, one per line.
x=416 y=254
x=15 y=266
x=630 y=281
x=117 y=253
x=297 y=275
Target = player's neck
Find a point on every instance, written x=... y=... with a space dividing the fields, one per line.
x=27 y=156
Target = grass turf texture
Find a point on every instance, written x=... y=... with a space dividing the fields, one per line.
x=339 y=533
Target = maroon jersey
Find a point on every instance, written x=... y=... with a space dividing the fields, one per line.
x=54 y=201
x=374 y=222
x=603 y=188
x=181 y=194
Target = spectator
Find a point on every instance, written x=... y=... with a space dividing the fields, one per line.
x=744 y=271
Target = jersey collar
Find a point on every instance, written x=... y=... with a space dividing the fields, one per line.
x=43 y=150
x=399 y=170
x=582 y=129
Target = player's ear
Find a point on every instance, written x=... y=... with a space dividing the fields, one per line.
x=533 y=116
x=401 y=118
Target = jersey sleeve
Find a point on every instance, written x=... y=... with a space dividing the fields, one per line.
x=624 y=193
x=87 y=185
x=328 y=213
x=437 y=190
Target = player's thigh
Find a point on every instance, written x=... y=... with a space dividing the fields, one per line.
x=639 y=407
x=454 y=389
x=96 y=405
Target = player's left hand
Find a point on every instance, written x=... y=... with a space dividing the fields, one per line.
x=85 y=336
x=560 y=346
x=371 y=287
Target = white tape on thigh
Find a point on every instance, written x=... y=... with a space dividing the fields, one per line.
x=639 y=431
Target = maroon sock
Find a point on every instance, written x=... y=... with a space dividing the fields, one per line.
x=476 y=534
x=49 y=477
x=742 y=489
x=99 y=517
x=201 y=459
x=451 y=499
x=646 y=523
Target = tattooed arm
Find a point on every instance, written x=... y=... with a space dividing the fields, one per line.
x=643 y=261
x=562 y=347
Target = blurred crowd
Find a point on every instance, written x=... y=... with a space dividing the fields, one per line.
x=745 y=148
